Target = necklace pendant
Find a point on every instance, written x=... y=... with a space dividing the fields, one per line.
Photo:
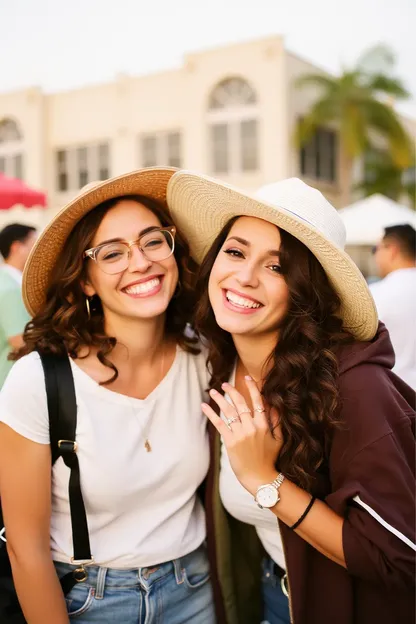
x=147 y=446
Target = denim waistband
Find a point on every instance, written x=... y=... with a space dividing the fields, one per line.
x=100 y=576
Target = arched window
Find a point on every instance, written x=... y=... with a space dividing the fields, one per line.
x=233 y=127
x=11 y=148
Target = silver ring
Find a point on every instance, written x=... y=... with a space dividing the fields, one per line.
x=245 y=411
x=259 y=409
x=231 y=420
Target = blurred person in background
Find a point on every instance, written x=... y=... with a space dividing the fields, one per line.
x=395 y=295
x=16 y=242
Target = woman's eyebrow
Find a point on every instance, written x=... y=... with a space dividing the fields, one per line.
x=151 y=228
x=243 y=241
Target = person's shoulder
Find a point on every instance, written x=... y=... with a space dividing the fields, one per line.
x=7 y=283
x=376 y=285
x=26 y=371
x=372 y=405
x=379 y=289
x=23 y=400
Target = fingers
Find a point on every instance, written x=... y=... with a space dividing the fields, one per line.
x=259 y=412
x=216 y=420
x=227 y=408
x=244 y=412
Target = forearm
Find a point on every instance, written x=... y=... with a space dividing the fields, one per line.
x=39 y=591
x=322 y=527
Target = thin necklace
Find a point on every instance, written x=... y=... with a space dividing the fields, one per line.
x=146 y=431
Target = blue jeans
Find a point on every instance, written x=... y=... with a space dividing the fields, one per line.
x=171 y=593
x=275 y=603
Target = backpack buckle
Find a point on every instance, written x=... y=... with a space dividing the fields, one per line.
x=67 y=446
x=80 y=574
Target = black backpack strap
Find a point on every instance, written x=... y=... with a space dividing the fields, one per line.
x=62 y=407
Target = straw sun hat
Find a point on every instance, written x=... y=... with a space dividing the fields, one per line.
x=150 y=182
x=201 y=206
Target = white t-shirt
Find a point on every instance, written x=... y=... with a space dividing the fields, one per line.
x=241 y=505
x=395 y=298
x=142 y=508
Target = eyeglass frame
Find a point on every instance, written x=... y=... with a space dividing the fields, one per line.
x=92 y=252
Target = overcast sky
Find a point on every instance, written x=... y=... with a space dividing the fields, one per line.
x=60 y=44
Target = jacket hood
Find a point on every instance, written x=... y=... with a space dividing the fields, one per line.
x=379 y=351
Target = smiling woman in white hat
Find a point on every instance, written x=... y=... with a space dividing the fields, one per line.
x=315 y=430
x=109 y=285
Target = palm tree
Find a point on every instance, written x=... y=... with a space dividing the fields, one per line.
x=382 y=175
x=359 y=103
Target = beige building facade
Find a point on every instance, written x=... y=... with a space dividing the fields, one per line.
x=230 y=112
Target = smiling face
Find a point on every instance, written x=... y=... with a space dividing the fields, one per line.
x=247 y=291
x=145 y=288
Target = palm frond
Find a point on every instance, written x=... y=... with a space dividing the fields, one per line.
x=321 y=113
x=381 y=175
x=389 y=86
x=383 y=119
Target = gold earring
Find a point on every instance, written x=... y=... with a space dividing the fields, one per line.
x=87 y=305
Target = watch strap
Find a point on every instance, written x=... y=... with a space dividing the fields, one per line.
x=279 y=480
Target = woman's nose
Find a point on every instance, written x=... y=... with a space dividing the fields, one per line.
x=138 y=261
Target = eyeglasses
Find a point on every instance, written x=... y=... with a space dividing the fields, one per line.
x=114 y=258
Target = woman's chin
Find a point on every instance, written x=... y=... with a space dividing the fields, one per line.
x=233 y=326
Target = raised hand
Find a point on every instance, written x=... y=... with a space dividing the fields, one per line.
x=252 y=448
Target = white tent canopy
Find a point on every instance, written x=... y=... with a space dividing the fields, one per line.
x=366 y=219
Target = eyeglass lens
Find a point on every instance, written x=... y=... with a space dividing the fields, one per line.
x=155 y=246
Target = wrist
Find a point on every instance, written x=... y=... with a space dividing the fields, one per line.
x=255 y=481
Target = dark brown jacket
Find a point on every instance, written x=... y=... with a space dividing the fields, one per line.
x=369 y=480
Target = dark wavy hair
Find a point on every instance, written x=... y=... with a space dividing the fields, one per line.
x=63 y=324
x=302 y=382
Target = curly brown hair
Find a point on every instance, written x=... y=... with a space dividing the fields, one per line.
x=63 y=324
x=302 y=382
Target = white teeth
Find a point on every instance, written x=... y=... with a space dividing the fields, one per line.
x=241 y=301
x=144 y=287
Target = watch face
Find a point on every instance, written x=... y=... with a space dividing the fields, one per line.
x=267 y=496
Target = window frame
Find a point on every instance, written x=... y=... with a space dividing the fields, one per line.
x=69 y=176
x=12 y=150
x=164 y=154
x=313 y=161
x=234 y=115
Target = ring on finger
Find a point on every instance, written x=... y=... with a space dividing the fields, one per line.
x=259 y=409
x=246 y=410
x=230 y=421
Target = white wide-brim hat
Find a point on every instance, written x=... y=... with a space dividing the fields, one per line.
x=201 y=206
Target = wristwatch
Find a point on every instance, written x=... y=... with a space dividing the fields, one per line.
x=267 y=496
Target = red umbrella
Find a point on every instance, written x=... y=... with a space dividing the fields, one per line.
x=14 y=192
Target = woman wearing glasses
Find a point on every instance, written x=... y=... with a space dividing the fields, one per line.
x=109 y=284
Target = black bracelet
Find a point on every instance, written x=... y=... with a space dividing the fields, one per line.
x=305 y=513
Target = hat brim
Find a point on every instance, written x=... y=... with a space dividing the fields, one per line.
x=202 y=206
x=150 y=182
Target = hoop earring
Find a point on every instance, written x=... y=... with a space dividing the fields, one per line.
x=87 y=305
